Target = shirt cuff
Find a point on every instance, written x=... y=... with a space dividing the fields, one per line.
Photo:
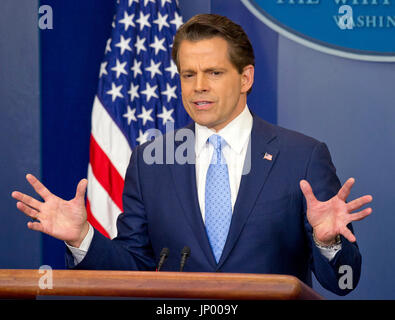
x=330 y=253
x=79 y=253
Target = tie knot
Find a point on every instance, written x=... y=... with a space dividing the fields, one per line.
x=217 y=141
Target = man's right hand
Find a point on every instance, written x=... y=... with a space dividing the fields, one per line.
x=64 y=220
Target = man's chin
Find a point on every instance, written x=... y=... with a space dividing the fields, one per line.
x=203 y=123
x=209 y=124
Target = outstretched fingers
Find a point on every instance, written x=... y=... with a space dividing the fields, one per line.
x=32 y=213
x=36 y=226
x=360 y=215
x=358 y=203
x=345 y=190
x=81 y=189
x=355 y=217
x=346 y=233
x=307 y=191
x=38 y=186
x=28 y=200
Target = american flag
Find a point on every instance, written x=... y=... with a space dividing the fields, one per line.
x=268 y=156
x=138 y=90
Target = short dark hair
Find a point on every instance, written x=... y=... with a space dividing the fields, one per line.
x=206 y=26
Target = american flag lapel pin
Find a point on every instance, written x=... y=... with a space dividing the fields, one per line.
x=268 y=156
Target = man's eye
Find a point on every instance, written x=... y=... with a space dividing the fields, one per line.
x=216 y=73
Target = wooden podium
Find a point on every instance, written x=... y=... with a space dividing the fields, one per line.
x=25 y=284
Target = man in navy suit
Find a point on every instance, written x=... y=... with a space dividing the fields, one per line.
x=242 y=202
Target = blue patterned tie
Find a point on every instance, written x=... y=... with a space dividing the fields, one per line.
x=218 y=206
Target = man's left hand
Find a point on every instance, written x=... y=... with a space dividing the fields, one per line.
x=330 y=218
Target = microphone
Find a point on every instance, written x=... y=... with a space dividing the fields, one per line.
x=186 y=251
x=163 y=256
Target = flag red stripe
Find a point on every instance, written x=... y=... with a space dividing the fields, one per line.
x=105 y=173
x=92 y=220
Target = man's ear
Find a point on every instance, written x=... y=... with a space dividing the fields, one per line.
x=247 y=78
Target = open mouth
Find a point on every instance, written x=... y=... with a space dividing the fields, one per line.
x=202 y=105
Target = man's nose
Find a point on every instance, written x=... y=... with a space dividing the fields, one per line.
x=201 y=84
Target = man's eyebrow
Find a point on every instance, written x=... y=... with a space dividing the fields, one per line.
x=187 y=70
x=205 y=70
x=214 y=69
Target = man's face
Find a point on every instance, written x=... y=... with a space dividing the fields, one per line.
x=213 y=92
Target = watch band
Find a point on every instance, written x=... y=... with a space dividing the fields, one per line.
x=330 y=246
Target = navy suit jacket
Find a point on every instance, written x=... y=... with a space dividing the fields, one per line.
x=269 y=232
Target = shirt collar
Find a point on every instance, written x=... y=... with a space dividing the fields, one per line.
x=235 y=133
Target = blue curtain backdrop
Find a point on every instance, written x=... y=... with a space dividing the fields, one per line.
x=19 y=128
x=71 y=54
x=347 y=104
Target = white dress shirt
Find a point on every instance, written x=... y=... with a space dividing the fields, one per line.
x=237 y=136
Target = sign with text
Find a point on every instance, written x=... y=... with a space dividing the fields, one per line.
x=357 y=29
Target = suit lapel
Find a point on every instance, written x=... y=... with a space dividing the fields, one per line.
x=251 y=184
x=184 y=177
